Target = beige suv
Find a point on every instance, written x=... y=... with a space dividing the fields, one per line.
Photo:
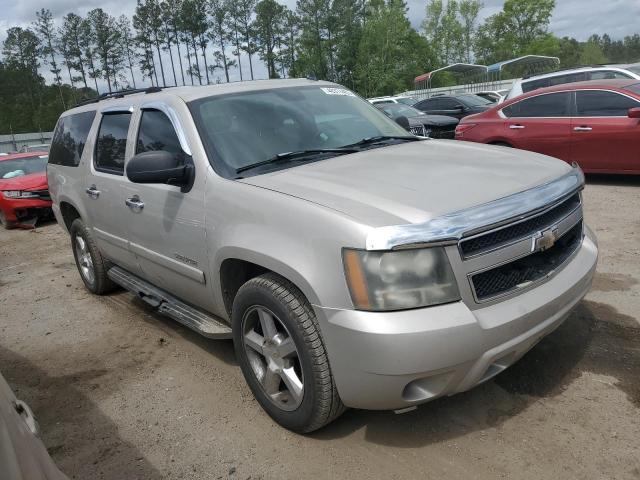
x=353 y=264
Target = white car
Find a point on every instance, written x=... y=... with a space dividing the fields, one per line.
x=601 y=72
x=393 y=99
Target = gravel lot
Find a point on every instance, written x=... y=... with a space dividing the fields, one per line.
x=124 y=393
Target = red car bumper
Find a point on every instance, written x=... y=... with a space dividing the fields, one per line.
x=21 y=210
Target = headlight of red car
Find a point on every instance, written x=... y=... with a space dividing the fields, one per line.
x=18 y=194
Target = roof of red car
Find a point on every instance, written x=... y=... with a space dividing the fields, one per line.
x=12 y=156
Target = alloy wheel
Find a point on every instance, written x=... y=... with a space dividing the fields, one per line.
x=85 y=262
x=273 y=357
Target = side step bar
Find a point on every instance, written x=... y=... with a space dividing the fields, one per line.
x=197 y=320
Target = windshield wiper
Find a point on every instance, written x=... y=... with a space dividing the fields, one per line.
x=381 y=138
x=300 y=154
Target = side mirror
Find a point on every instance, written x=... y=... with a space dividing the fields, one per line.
x=634 y=112
x=459 y=108
x=403 y=122
x=159 y=166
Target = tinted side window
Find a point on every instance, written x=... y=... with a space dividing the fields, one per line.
x=607 y=75
x=69 y=139
x=432 y=104
x=534 y=85
x=550 y=105
x=571 y=78
x=111 y=143
x=448 y=104
x=595 y=103
x=156 y=133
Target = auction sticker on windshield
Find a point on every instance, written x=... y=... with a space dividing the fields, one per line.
x=337 y=91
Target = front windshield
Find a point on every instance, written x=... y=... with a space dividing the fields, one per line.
x=242 y=129
x=474 y=100
x=22 y=166
x=396 y=110
x=634 y=68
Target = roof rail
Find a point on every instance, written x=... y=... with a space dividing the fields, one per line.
x=118 y=94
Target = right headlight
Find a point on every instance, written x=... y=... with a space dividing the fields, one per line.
x=399 y=279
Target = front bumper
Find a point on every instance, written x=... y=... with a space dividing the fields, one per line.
x=392 y=360
x=22 y=209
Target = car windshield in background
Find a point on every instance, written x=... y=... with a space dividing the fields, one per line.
x=396 y=110
x=473 y=100
x=239 y=130
x=22 y=166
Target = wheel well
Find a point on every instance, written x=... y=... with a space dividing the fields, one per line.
x=501 y=144
x=233 y=274
x=69 y=214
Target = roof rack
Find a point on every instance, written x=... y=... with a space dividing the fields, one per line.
x=119 y=94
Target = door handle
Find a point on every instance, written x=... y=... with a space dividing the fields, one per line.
x=516 y=127
x=582 y=129
x=93 y=192
x=134 y=203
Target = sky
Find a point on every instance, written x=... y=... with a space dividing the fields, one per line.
x=574 y=18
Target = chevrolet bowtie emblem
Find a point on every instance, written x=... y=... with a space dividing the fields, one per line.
x=545 y=240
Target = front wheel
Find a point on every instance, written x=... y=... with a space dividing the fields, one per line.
x=6 y=224
x=282 y=355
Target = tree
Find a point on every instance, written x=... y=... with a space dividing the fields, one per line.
x=592 y=53
x=391 y=53
x=20 y=52
x=170 y=16
x=127 y=45
x=520 y=28
x=72 y=35
x=444 y=31
x=287 y=54
x=314 y=40
x=469 y=10
x=45 y=29
x=243 y=10
x=195 y=23
x=268 y=29
x=220 y=14
x=350 y=15
x=107 y=45
x=148 y=18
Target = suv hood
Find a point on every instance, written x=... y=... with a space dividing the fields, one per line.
x=33 y=181
x=413 y=182
x=433 y=120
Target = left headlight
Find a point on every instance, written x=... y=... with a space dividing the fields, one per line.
x=18 y=194
x=400 y=279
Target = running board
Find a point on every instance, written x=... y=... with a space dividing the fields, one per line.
x=198 y=321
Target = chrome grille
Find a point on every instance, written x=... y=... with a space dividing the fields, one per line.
x=527 y=270
x=417 y=130
x=487 y=242
x=514 y=256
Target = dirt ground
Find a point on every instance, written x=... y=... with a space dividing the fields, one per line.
x=124 y=393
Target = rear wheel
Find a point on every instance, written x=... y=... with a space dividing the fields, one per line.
x=91 y=265
x=282 y=355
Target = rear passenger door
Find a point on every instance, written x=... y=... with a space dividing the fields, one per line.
x=105 y=188
x=604 y=138
x=540 y=124
x=167 y=230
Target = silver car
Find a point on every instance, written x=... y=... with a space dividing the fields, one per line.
x=353 y=264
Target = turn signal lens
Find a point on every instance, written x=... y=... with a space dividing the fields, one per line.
x=463 y=127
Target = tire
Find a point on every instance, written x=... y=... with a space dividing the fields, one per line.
x=296 y=326
x=90 y=262
x=6 y=224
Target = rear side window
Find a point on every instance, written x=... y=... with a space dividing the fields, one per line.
x=157 y=133
x=549 y=105
x=607 y=75
x=69 y=139
x=112 y=142
x=534 y=85
x=597 y=103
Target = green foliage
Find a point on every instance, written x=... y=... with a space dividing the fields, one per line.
x=391 y=53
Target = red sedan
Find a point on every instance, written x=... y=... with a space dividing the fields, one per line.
x=24 y=194
x=596 y=124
